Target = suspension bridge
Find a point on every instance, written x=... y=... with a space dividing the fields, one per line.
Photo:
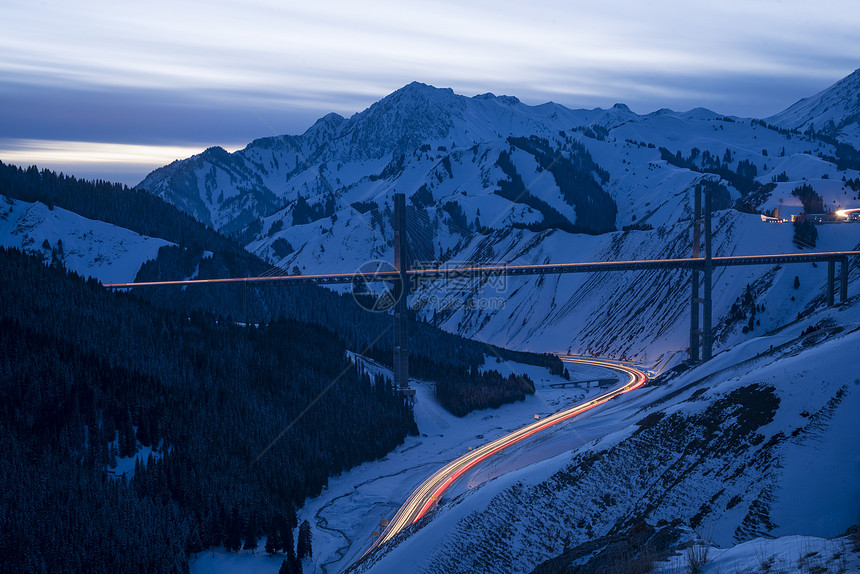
x=701 y=265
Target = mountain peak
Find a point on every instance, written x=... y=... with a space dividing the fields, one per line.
x=328 y=123
x=421 y=90
x=853 y=76
x=215 y=152
x=331 y=118
x=834 y=112
x=416 y=97
x=402 y=121
x=615 y=116
x=506 y=100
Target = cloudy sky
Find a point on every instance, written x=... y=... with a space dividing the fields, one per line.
x=113 y=88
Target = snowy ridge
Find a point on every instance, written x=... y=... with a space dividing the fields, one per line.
x=783 y=554
x=834 y=111
x=90 y=248
x=322 y=202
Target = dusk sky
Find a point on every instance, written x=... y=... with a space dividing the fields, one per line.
x=113 y=89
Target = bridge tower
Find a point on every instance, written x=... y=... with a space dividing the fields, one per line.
x=843 y=280
x=695 y=298
x=702 y=335
x=707 y=319
x=401 y=308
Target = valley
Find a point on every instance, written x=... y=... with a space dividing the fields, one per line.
x=194 y=363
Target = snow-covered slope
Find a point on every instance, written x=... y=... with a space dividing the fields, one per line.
x=490 y=179
x=777 y=555
x=335 y=154
x=646 y=314
x=91 y=248
x=834 y=111
x=724 y=447
x=350 y=508
x=759 y=442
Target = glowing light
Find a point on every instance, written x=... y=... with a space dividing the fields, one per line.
x=431 y=490
x=40 y=152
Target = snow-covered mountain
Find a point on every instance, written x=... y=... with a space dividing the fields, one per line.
x=350 y=160
x=834 y=112
x=489 y=178
x=91 y=248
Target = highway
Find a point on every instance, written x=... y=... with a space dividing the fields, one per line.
x=426 y=496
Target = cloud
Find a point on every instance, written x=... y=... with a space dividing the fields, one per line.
x=54 y=151
x=333 y=47
x=223 y=73
x=125 y=163
x=128 y=115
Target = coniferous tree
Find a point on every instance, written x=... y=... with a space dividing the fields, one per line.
x=251 y=534
x=143 y=432
x=127 y=439
x=303 y=545
x=270 y=544
x=233 y=531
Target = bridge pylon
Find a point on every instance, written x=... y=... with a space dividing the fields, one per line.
x=702 y=335
x=401 y=291
x=831 y=281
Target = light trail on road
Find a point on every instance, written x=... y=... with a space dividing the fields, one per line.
x=426 y=496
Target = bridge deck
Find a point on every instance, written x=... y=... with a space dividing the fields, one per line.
x=487 y=271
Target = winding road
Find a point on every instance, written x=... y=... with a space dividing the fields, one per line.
x=426 y=496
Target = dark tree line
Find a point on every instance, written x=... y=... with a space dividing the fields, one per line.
x=514 y=189
x=744 y=309
x=133 y=209
x=464 y=391
x=87 y=376
x=463 y=388
x=362 y=331
x=364 y=206
x=574 y=171
x=458 y=223
x=367 y=333
x=742 y=177
x=421 y=198
x=205 y=252
x=805 y=233
x=812 y=202
x=304 y=213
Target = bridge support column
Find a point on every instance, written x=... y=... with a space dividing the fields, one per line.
x=831 y=272
x=401 y=290
x=843 y=280
x=695 y=331
x=707 y=319
x=695 y=296
x=705 y=335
